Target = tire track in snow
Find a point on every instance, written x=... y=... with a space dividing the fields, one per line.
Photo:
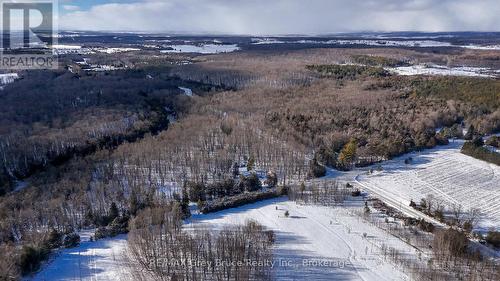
x=352 y=251
x=389 y=200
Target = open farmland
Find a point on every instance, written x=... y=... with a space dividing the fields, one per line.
x=318 y=243
x=451 y=177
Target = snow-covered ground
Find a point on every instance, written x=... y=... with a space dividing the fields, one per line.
x=188 y=92
x=71 y=49
x=117 y=50
x=482 y=47
x=379 y=41
x=312 y=235
x=76 y=49
x=102 y=67
x=202 y=49
x=444 y=71
x=20 y=185
x=396 y=43
x=445 y=173
x=66 y=47
x=313 y=243
x=493 y=149
x=101 y=260
x=8 y=78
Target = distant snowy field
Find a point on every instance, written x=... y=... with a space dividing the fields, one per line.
x=368 y=42
x=439 y=70
x=202 y=49
x=412 y=42
x=75 y=49
x=483 y=47
x=313 y=234
x=447 y=174
x=8 y=78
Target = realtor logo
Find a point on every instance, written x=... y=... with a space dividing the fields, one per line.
x=28 y=33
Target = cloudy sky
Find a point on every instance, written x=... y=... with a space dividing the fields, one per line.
x=264 y=17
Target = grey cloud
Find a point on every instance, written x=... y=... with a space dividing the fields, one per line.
x=288 y=16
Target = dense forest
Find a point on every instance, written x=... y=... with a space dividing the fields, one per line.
x=48 y=117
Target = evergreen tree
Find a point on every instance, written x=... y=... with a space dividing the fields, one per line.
x=236 y=169
x=251 y=183
x=250 y=163
x=54 y=239
x=196 y=191
x=184 y=204
x=471 y=132
x=113 y=212
x=134 y=203
x=413 y=204
x=315 y=169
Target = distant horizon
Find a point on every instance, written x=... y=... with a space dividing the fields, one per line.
x=261 y=17
x=179 y=33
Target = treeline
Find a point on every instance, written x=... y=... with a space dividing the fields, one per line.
x=28 y=258
x=240 y=200
x=325 y=193
x=477 y=150
x=378 y=61
x=350 y=72
x=481 y=92
x=493 y=141
x=161 y=249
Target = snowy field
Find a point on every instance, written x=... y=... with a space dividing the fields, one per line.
x=368 y=42
x=188 y=92
x=444 y=71
x=117 y=50
x=317 y=243
x=379 y=41
x=445 y=173
x=8 y=78
x=483 y=47
x=202 y=49
x=101 y=260
x=313 y=243
x=75 y=49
